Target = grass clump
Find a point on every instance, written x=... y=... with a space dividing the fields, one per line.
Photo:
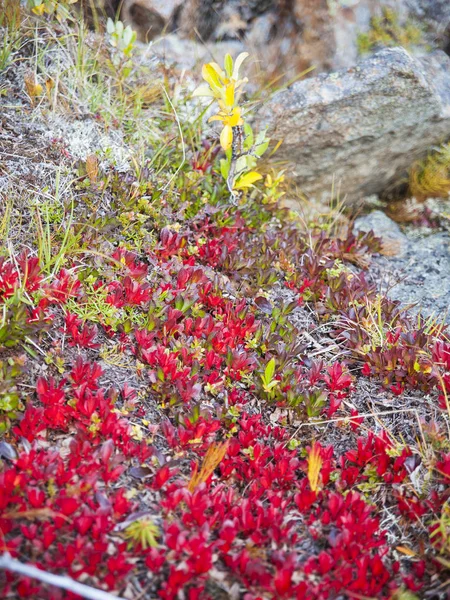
x=431 y=177
x=386 y=30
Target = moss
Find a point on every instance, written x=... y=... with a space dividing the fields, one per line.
x=386 y=30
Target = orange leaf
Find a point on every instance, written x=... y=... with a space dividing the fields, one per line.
x=211 y=460
x=314 y=465
x=405 y=550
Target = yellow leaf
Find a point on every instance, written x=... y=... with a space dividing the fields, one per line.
x=49 y=85
x=405 y=550
x=234 y=118
x=211 y=78
x=229 y=95
x=216 y=118
x=218 y=70
x=32 y=87
x=247 y=180
x=39 y=10
x=278 y=144
x=226 y=137
x=314 y=465
x=443 y=561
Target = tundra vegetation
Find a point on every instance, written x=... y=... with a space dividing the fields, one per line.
x=202 y=393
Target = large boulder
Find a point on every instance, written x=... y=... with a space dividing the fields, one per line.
x=364 y=126
x=288 y=36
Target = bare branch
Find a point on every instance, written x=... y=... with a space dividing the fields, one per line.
x=61 y=581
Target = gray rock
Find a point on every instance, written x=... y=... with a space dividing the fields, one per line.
x=385 y=228
x=287 y=37
x=433 y=11
x=420 y=274
x=190 y=55
x=149 y=18
x=362 y=127
x=352 y=17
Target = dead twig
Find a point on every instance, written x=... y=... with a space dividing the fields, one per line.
x=61 y=581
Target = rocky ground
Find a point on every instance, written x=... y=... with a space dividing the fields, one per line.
x=210 y=395
x=418 y=273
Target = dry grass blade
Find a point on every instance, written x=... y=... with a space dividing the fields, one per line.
x=37 y=513
x=92 y=168
x=390 y=248
x=211 y=461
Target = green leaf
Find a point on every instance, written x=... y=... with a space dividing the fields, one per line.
x=224 y=168
x=119 y=28
x=268 y=387
x=261 y=148
x=110 y=27
x=245 y=163
x=249 y=137
x=228 y=64
x=127 y=35
x=260 y=138
x=269 y=371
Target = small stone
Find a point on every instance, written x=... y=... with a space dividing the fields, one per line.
x=383 y=227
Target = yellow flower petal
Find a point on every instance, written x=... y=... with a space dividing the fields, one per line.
x=226 y=137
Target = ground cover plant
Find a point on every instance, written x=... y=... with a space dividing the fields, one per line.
x=202 y=395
